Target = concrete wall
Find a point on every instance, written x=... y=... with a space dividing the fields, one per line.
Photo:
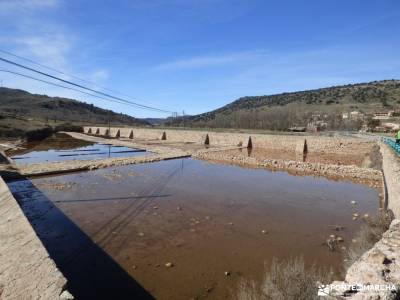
x=288 y=142
x=26 y=270
x=391 y=170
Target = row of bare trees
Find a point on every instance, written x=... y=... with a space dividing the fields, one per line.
x=278 y=118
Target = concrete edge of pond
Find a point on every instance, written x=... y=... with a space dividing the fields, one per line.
x=381 y=264
x=82 y=165
x=25 y=265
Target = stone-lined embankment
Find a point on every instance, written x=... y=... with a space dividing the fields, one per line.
x=367 y=176
x=26 y=270
x=381 y=264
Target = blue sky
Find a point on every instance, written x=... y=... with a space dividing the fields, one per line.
x=197 y=55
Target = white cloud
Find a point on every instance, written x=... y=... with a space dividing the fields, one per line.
x=212 y=60
x=51 y=49
x=99 y=76
x=40 y=37
x=7 y=6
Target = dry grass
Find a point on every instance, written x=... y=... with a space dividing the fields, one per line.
x=369 y=234
x=287 y=280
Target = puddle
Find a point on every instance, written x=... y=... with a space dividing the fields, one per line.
x=204 y=218
x=326 y=158
x=62 y=147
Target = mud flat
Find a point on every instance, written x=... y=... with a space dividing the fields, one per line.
x=26 y=270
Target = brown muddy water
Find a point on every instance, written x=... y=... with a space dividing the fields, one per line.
x=112 y=231
x=62 y=147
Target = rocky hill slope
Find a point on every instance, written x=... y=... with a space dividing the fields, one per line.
x=21 y=112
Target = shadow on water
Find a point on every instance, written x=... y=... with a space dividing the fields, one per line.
x=90 y=271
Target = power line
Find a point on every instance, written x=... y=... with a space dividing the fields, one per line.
x=61 y=86
x=66 y=74
x=84 y=87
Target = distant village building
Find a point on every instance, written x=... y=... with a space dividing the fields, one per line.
x=354 y=115
x=383 y=115
x=316 y=126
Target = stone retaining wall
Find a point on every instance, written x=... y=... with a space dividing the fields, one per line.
x=26 y=270
x=315 y=143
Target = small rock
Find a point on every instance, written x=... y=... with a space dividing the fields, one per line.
x=331 y=243
x=227 y=273
x=169 y=264
x=264 y=231
x=353 y=202
x=134 y=267
x=230 y=223
x=65 y=295
x=355 y=215
x=178 y=208
x=366 y=216
x=354 y=241
x=339 y=239
x=140 y=234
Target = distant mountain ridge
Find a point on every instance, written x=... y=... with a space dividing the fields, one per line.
x=365 y=97
x=29 y=116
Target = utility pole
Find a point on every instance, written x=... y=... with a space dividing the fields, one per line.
x=183 y=118
x=109 y=123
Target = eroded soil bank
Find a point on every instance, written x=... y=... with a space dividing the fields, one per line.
x=203 y=218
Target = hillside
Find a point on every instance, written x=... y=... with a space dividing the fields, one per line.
x=290 y=109
x=21 y=111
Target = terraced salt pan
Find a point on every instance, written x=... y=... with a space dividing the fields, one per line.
x=62 y=147
x=204 y=218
